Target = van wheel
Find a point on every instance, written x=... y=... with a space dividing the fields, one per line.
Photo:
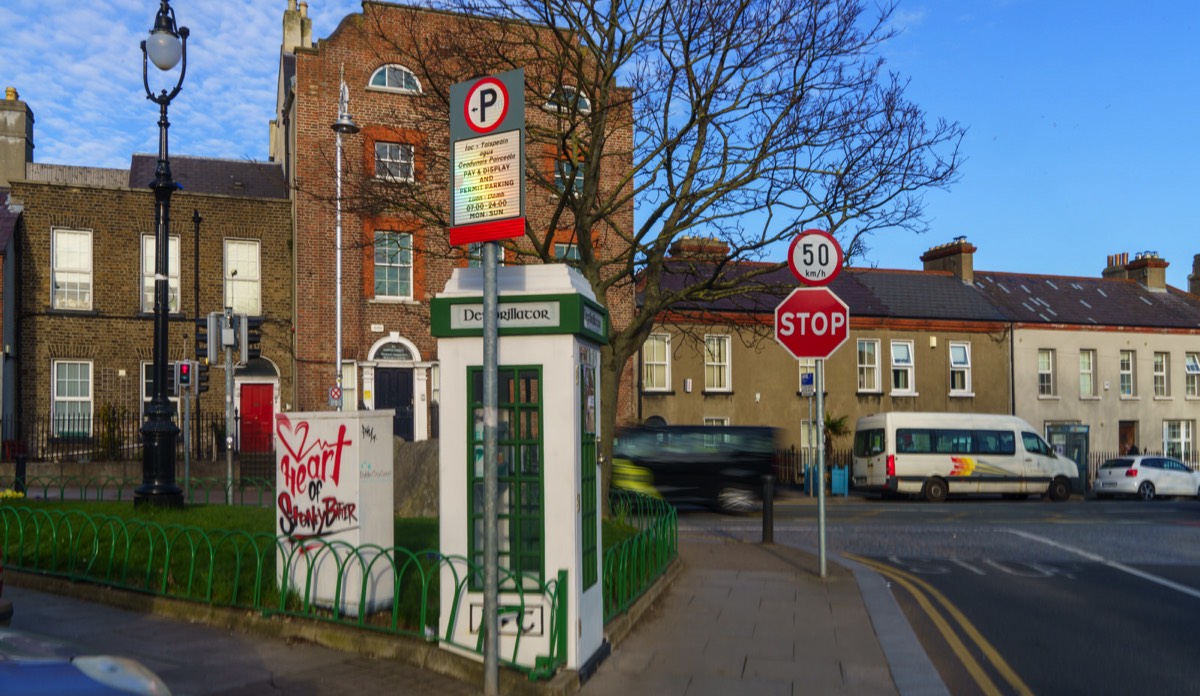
x=1060 y=490
x=732 y=500
x=935 y=490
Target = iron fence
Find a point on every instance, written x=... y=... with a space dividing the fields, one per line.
x=249 y=570
x=112 y=435
x=792 y=463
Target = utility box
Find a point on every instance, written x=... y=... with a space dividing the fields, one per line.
x=550 y=333
x=334 y=512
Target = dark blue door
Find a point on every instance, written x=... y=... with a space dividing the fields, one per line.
x=394 y=389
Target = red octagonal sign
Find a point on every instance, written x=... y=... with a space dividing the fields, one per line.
x=812 y=323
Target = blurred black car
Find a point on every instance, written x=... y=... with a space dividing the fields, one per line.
x=717 y=466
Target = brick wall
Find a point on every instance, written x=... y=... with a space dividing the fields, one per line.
x=115 y=335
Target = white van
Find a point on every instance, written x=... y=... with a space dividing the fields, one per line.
x=936 y=454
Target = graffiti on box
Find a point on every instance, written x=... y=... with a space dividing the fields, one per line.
x=314 y=498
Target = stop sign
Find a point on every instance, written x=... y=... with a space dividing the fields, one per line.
x=812 y=323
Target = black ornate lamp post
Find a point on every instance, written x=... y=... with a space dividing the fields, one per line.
x=165 y=47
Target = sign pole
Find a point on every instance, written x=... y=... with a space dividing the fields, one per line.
x=491 y=556
x=820 y=425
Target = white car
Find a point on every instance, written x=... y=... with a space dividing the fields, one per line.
x=1147 y=476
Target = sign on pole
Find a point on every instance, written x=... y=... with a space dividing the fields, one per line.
x=487 y=158
x=815 y=257
x=812 y=323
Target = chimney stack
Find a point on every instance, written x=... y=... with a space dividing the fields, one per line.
x=709 y=248
x=297 y=27
x=1116 y=266
x=16 y=137
x=1194 y=278
x=1147 y=268
x=958 y=257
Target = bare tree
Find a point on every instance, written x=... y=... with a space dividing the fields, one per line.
x=742 y=120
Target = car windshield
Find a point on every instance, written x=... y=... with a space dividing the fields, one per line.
x=1117 y=464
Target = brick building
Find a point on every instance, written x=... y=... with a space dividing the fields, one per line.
x=79 y=334
x=396 y=255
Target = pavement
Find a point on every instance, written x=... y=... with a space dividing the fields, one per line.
x=737 y=618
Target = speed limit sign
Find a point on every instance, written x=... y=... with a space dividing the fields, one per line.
x=815 y=257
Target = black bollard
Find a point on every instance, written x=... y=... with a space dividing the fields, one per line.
x=19 y=482
x=768 y=509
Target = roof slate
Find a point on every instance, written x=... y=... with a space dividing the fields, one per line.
x=1003 y=297
x=241 y=178
x=1101 y=301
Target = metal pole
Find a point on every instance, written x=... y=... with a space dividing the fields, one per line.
x=821 y=463
x=227 y=323
x=186 y=398
x=768 y=510
x=337 y=350
x=491 y=563
x=344 y=124
x=159 y=431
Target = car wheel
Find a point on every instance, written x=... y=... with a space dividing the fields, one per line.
x=734 y=500
x=1146 y=491
x=1060 y=490
x=935 y=490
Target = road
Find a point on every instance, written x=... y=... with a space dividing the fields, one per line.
x=1024 y=597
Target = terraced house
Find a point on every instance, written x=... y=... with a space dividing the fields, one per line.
x=1097 y=363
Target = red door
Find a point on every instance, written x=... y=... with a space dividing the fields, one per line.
x=256 y=410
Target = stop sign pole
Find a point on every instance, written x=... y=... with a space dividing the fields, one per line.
x=813 y=322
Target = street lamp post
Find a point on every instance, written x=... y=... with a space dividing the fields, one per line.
x=165 y=47
x=343 y=124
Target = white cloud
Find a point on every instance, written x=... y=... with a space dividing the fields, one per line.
x=79 y=68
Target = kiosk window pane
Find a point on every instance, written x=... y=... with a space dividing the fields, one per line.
x=520 y=512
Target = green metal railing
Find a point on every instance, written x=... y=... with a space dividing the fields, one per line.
x=258 y=492
x=241 y=569
x=632 y=566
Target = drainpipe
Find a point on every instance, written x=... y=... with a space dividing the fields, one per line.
x=1012 y=394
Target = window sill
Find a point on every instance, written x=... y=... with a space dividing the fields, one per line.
x=658 y=392
x=74 y=312
x=1164 y=398
x=717 y=392
x=1125 y=397
x=393 y=301
x=393 y=180
x=1089 y=398
x=393 y=90
x=904 y=394
x=962 y=395
x=869 y=392
x=1049 y=397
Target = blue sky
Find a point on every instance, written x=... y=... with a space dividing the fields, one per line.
x=1083 y=116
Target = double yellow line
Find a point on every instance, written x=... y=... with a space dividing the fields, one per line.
x=926 y=595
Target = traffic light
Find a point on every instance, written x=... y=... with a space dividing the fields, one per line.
x=202 y=340
x=173 y=381
x=183 y=374
x=201 y=378
x=253 y=345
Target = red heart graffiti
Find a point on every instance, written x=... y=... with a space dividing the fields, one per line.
x=289 y=435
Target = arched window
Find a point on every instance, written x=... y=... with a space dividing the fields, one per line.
x=566 y=99
x=395 y=78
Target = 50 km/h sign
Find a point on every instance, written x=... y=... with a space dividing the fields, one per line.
x=812 y=323
x=815 y=257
